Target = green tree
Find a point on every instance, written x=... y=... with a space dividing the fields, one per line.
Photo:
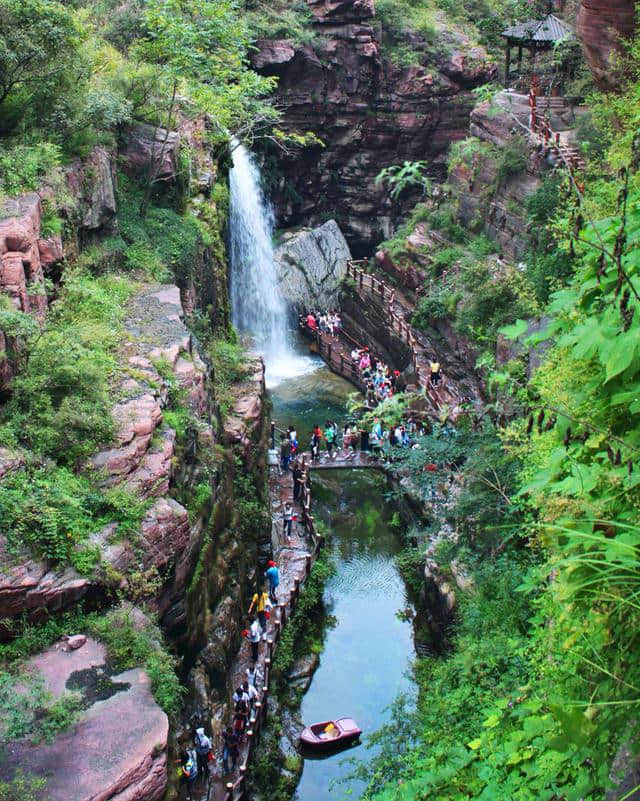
x=199 y=49
x=39 y=40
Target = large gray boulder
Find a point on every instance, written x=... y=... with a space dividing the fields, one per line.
x=311 y=265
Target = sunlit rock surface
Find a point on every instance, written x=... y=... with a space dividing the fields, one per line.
x=312 y=263
x=117 y=748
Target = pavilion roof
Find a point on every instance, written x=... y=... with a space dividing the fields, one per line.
x=542 y=32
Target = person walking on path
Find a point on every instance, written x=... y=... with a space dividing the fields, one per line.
x=260 y=604
x=188 y=770
x=251 y=693
x=273 y=575
x=287 y=517
x=254 y=675
x=316 y=438
x=230 y=749
x=329 y=437
x=285 y=452
x=253 y=635
x=202 y=745
x=296 y=472
x=377 y=437
x=435 y=373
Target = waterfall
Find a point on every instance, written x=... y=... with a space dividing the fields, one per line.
x=257 y=308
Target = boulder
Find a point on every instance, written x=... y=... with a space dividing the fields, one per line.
x=312 y=264
x=144 y=143
x=115 y=751
x=272 y=53
x=331 y=11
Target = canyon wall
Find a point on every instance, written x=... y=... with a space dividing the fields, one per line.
x=602 y=26
x=194 y=558
x=368 y=112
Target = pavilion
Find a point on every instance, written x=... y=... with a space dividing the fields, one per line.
x=537 y=35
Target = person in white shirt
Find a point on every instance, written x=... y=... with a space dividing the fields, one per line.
x=253 y=635
x=254 y=675
x=251 y=693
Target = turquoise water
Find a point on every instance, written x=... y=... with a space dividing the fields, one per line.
x=367 y=654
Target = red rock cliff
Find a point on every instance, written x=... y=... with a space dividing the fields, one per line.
x=601 y=26
x=369 y=114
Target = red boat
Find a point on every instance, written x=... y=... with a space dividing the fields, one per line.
x=330 y=734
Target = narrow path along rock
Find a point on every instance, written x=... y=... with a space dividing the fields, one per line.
x=294 y=558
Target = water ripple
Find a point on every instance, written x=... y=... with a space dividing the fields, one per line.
x=362 y=574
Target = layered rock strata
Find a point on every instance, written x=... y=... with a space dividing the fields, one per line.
x=142 y=460
x=368 y=113
x=116 y=750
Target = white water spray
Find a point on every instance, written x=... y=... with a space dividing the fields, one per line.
x=257 y=306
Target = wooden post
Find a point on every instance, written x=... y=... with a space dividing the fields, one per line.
x=273 y=435
x=329 y=352
x=507 y=64
x=283 y=613
x=361 y=277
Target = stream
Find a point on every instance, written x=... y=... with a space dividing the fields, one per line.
x=367 y=653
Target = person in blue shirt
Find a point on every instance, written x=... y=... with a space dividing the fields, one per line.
x=273 y=575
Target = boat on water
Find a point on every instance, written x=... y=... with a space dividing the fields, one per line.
x=330 y=734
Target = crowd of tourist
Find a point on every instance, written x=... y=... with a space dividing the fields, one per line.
x=324 y=322
x=199 y=761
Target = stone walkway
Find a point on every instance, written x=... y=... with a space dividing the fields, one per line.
x=294 y=558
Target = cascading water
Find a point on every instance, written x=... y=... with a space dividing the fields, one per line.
x=257 y=307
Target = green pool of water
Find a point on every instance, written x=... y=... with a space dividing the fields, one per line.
x=366 y=655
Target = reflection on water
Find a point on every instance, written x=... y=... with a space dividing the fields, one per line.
x=367 y=654
x=365 y=659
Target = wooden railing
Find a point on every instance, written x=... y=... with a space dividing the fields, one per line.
x=364 y=280
x=235 y=790
x=542 y=133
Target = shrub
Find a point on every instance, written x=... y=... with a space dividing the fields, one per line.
x=53 y=512
x=432 y=307
x=23 y=787
x=61 y=405
x=512 y=157
x=22 y=167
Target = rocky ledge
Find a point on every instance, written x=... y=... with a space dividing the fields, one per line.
x=142 y=459
x=116 y=750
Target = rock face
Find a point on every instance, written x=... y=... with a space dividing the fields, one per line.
x=601 y=25
x=142 y=460
x=117 y=749
x=91 y=183
x=312 y=263
x=487 y=202
x=146 y=142
x=21 y=275
x=368 y=113
x=28 y=254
